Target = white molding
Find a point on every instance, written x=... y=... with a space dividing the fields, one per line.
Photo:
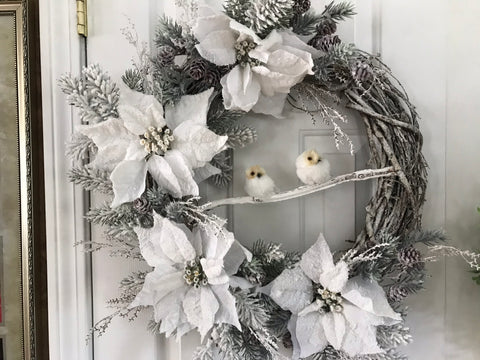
x=68 y=268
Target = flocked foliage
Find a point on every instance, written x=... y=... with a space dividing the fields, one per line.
x=94 y=94
x=261 y=16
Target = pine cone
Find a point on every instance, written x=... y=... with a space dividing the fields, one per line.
x=166 y=55
x=196 y=68
x=301 y=6
x=212 y=76
x=287 y=341
x=146 y=221
x=324 y=43
x=316 y=41
x=362 y=71
x=409 y=257
x=142 y=206
x=327 y=27
x=397 y=293
x=329 y=41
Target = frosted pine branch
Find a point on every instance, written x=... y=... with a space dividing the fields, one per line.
x=353 y=257
x=91 y=179
x=304 y=190
x=470 y=257
x=80 y=147
x=95 y=94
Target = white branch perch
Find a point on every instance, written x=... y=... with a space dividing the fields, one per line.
x=305 y=190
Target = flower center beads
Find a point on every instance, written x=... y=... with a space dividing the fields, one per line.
x=157 y=140
x=328 y=300
x=194 y=274
x=242 y=49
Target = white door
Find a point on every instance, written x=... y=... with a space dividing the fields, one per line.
x=414 y=40
x=295 y=223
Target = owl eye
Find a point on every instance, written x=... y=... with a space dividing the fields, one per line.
x=309 y=158
x=259 y=175
x=252 y=173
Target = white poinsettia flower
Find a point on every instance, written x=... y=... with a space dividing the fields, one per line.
x=189 y=286
x=329 y=308
x=167 y=145
x=266 y=69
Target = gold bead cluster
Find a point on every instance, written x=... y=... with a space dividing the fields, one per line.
x=157 y=140
x=328 y=301
x=194 y=274
x=242 y=48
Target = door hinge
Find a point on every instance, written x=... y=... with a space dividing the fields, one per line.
x=82 y=26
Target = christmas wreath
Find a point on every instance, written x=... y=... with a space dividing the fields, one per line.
x=174 y=123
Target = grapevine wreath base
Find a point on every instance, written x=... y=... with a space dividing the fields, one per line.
x=175 y=123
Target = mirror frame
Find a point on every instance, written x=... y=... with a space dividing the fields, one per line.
x=32 y=198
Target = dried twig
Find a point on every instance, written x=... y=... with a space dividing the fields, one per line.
x=305 y=190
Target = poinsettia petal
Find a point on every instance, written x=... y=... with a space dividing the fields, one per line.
x=271 y=105
x=238 y=95
x=192 y=108
x=294 y=42
x=128 y=181
x=313 y=307
x=138 y=112
x=208 y=21
x=334 y=328
x=135 y=151
x=335 y=278
x=139 y=100
x=133 y=119
x=164 y=176
x=239 y=282
x=172 y=240
x=177 y=162
x=292 y=326
x=369 y=296
x=227 y=312
x=111 y=138
x=273 y=40
x=156 y=286
x=317 y=259
x=218 y=47
x=205 y=172
x=292 y=290
x=216 y=39
x=169 y=309
x=285 y=70
x=183 y=328
x=197 y=143
x=360 y=336
x=200 y=306
x=213 y=268
x=235 y=256
x=245 y=32
x=310 y=335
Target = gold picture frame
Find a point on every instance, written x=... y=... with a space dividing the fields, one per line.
x=23 y=301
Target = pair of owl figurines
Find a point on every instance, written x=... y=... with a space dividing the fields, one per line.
x=312 y=169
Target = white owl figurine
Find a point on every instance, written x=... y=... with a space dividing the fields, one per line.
x=312 y=168
x=258 y=184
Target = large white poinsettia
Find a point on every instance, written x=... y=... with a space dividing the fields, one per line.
x=265 y=69
x=189 y=286
x=145 y=139
x=329 y=308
